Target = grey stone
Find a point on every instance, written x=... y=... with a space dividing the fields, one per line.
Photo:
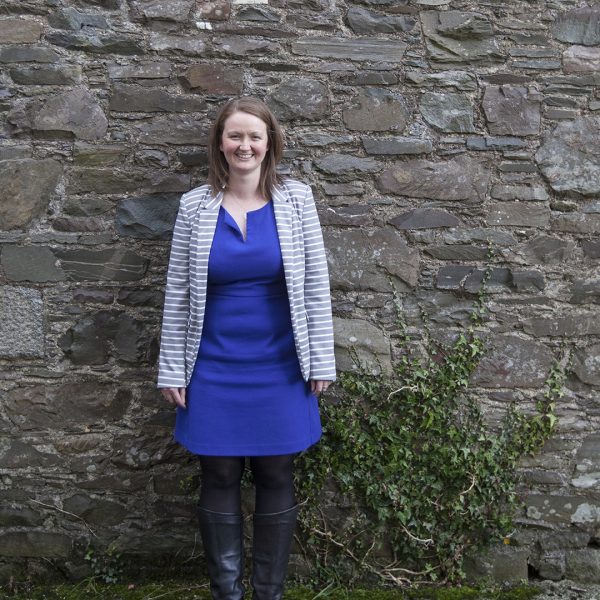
x=545 y=249
x=518 y=214
x=30 y=263
x=83 y=404
x=561 y=509
x=147 y=217
x=457 y=252
x=41 y=544
x=165 y=10
x=26 y=188
x=19 y=517
x=215 y=78
x=469 y=278
x=358 y=49
x=396 y=145
x=112 y=181
x=583 y=565
x=580 y=59
x=578 y=26
x=559 y=325
x=502 y=564
x=102 y=265
x=188 y=45
x=336 y=164
x=528 y=281
x=257 y=13
x=132 y=98
x=455 y=37
x=323 y=139
x=512 y=110
x=177 y=130
x=577 y=223
x=460 y=178
x=365 y=340
x=243 y=47
x=568 y=157
x=94 y=296
x=87 y=206
x=528 y=193
x=143 y=70
x=354 y=215
x=95 y=511
x=425 y=218
x=97 y=43
x=363 y=21
x=451 y=113
x=479 y=235
x=91 y=155
x=462 y=81
x=370 y=78
x=585 y=291
x=152 y=158
x=495 y=143
x=107 y=334
x=21 y=454
x=21 y=323
x=376 y=109
x=513 y=362
x=364 y=260
x=343 y=189
x=140 y=297
x=445 y=308
x=50 y=75
x=591 y=248
x=299 y=98
x=19 y=31
x=71 y=18
x=19 y=54
x=75 y=111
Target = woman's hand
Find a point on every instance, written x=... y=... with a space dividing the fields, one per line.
x=317 y=385
x=174 y=396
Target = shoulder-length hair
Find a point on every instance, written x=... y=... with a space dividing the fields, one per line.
x=218 y=169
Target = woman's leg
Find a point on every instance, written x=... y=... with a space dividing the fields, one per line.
x=274 y=524
x=220 y=483
x=274 y=481
x=221 y=525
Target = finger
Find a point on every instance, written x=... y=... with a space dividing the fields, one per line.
x=166 y=394
x=313 y=386
x=182 y=397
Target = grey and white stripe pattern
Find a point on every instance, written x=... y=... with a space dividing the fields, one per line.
x=306 y=276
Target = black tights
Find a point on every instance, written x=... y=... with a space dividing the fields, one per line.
x=273 y=479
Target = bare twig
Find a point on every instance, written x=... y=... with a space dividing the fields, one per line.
x=427 y=542
x=66 y=512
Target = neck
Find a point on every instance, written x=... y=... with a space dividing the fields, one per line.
x=244 y=187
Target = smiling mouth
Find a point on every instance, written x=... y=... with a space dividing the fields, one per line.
x=243 y=156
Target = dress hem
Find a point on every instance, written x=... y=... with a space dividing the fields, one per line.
x=270 y=450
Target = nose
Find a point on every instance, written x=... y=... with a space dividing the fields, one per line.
x=245 y=143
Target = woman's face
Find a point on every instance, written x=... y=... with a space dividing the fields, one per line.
x=244 y=142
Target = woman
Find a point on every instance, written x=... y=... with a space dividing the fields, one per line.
x=247 y=342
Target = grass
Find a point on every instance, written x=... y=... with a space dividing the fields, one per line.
x=177 y=590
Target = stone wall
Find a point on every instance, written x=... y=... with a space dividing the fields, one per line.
x=434 y=132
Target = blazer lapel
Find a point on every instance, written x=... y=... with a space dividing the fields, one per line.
x=283 y=219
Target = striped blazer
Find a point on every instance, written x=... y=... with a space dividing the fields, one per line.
x=306 y=277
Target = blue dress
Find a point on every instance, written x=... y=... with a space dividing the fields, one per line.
x=247 y=396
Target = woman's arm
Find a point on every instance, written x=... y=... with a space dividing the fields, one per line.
x=171 y=371
x=317 y=295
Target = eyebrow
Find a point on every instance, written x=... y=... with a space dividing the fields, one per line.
x=251 y=132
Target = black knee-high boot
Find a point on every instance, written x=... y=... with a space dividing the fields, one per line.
x=222 y=538
x=273 y=535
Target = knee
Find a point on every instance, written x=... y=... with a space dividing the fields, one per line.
x=221 y=477
x=273 y=478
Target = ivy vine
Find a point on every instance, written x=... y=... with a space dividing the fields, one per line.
x=412 y=475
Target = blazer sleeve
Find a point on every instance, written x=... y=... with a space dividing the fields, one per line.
x=317 y=295
x=171 y=362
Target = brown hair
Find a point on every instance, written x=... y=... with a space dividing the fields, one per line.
x=218 y=169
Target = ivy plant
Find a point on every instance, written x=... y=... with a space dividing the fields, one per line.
x=412 y=474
